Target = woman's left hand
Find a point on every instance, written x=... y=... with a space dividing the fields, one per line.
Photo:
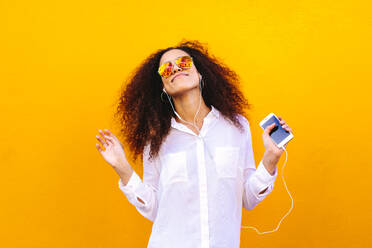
x=272 y=151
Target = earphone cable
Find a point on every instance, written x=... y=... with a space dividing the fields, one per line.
x=289 y=196
x=194 y=124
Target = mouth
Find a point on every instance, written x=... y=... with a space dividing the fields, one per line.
x=181 y=74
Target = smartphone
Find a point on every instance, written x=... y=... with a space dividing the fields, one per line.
x=279 y=135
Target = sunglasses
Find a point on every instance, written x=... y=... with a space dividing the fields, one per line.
x=183 y=62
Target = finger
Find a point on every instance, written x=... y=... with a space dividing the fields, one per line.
x=269 y=128
x=101 y=132
x=110 y=134
x=103 y=135
x=279 y=117
x=103 y=142
x=287 y=128
x=99 y=148
x=109 y=139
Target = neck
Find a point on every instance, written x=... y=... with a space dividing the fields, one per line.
x=187 y=105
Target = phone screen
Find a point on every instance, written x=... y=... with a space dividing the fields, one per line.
x=277 y=133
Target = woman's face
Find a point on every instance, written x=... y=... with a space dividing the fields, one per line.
x=180 y=80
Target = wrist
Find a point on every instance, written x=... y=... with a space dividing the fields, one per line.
x=123 y=170
x=270 y=164
x=124 y=177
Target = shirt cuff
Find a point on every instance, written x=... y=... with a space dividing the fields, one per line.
x=132 y=184
x=265 y=176
x=262 y=180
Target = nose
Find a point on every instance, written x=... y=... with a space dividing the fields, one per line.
x=175 y=68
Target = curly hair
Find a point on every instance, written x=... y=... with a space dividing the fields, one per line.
x=145 y=119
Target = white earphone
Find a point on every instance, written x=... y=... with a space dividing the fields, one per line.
x=194 y=124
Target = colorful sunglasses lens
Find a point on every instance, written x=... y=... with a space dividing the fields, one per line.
x=165 y=70
x=185 y=62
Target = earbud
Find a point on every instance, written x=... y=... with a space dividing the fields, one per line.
x=164 y=90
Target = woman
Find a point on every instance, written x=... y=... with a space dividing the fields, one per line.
x=183 y=112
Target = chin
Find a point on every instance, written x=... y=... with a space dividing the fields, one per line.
x=184 y=89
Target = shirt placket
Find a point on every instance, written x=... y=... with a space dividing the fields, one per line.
x=202 y=173
x=204 y=227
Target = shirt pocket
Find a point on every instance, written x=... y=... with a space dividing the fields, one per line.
x=226 y=160
x=174 y=168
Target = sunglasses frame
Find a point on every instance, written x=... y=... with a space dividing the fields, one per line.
x=171 y=61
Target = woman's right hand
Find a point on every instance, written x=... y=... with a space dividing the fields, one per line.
x=114 y=153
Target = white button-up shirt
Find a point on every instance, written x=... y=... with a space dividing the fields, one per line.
x=195 y=189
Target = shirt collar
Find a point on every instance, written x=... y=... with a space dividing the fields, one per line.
x=213 y=113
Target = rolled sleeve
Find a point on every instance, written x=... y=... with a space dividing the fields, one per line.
x=261 y=180
x=255 y=179
x=143 y=193
x=130 y=190
x=132 y=184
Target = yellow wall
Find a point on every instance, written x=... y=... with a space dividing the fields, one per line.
x=62 y=65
